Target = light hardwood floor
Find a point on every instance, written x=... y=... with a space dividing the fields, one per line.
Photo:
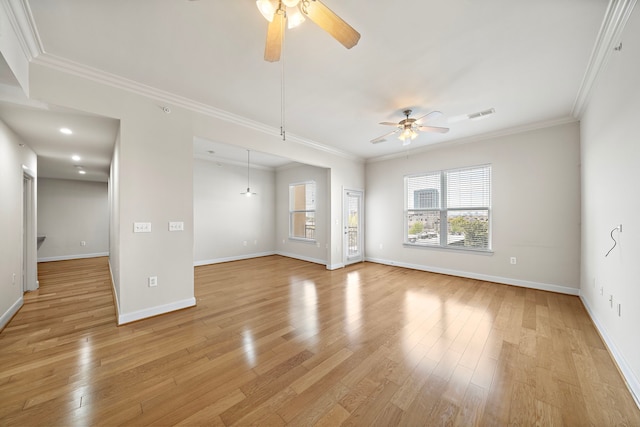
x=275 y=341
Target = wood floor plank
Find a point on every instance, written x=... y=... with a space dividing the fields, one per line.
x=335 y=417
x=472 y=406
x=276 y=341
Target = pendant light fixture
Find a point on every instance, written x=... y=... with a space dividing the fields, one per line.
x=248 y=193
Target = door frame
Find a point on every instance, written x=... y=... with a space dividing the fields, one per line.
x=345 y=221
x=29 y=249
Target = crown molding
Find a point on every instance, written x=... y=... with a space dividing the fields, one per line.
x=100 y=76
x=616 y=17
x=476 y=138
x=24 y=27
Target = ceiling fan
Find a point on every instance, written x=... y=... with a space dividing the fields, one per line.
x=409 y=127
x=293 y=12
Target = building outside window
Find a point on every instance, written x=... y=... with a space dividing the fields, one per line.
x=302 y=210
x=449 y=208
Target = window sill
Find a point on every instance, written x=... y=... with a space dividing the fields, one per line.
x=485 y=252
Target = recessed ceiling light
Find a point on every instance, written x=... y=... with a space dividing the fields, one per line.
x=66 y=131
x=82 y=172
x=75 y=158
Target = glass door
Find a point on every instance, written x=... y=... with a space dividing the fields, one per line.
x=353 y=226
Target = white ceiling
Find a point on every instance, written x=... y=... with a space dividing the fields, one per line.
x=219 y=152
x=525 y=59
x=39 y=125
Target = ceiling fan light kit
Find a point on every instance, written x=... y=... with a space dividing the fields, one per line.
x=407 y=135
x=294 y=13
x=266 y=8
x=269 y=8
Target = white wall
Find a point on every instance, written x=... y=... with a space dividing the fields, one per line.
x=535 y=209
x=12 y=51
x=70 y=212
x=610 y=173
x=310 y=251
x=114 y=221
x=154 y=183
x=156 y=186
x=12 y=157
x=229 y=226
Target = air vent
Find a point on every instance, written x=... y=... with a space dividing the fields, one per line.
x=481 y=114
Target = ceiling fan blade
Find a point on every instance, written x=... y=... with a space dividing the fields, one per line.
x=273 y=48
x=383 y=137
x=430 y=115
x=433 y=129
x=331 y=23
x=389 y=124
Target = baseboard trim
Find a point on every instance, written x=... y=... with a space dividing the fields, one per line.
x=487 y=278
x=302 y=258
x=12 y=311
x=335 y=266
x=68 y=257
x=155 y=311
x=633 y=384
x=232 y=258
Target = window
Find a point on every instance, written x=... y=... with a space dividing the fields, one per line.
x=449 y=209
x=302 y=210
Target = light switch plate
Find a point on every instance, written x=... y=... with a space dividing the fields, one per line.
x=142 y=227
x=176 y=226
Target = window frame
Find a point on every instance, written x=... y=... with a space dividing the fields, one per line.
x=293 y=211
x=443 y=210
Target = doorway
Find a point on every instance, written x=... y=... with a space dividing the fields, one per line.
x=29 y=261
x=353 y=226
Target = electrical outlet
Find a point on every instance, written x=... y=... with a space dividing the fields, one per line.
x=83 y=243
x=152 y=281
x=244 y=243
x=611 y=300
x=13 y=279
x=513 y=260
